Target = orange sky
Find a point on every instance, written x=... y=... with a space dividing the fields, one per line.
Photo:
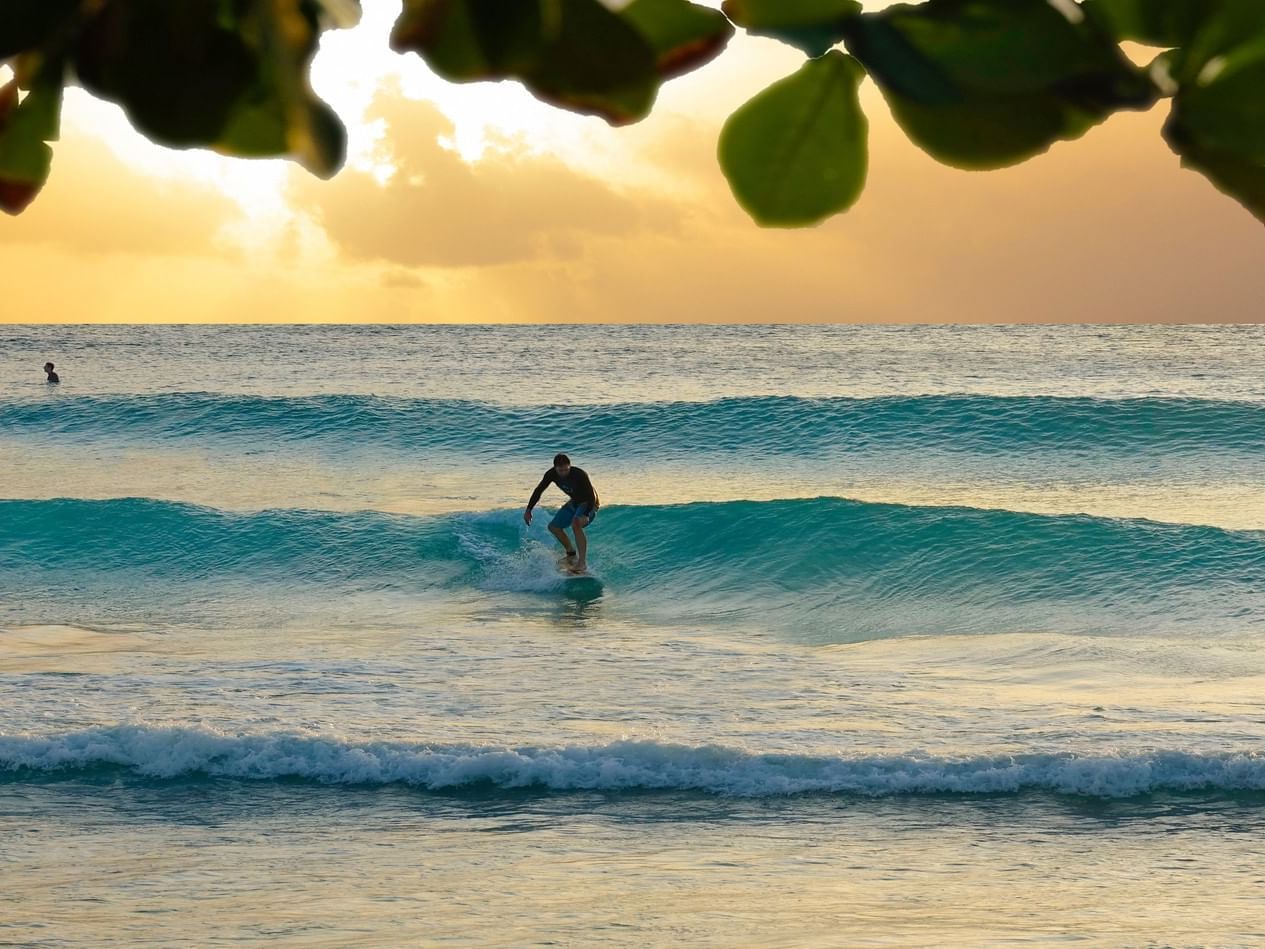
x=478 y=204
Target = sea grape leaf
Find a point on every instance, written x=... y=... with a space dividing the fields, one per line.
x=1217 y=123
x=280 y=114
x=177 y=69
x=798 y=151
x=1197 y=30
x=1230 y=28
x=683 y=35
x=26 y=128
x=813 y=26
x=29 y=24
x=471 y=40
x=1226 y=111
x=988 y=132
x=1165 y=23
x=989 y=83
x=575 y=54
x=230 y=75
x=1241 y=179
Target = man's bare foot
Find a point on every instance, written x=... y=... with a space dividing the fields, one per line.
x=578 y=569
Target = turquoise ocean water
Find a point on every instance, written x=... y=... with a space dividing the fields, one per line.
x=904 y=636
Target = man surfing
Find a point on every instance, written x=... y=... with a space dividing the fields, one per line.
x=577 y=513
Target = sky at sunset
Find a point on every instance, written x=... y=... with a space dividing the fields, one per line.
x=479 y=204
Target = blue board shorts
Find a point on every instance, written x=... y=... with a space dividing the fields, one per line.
x=570 y=511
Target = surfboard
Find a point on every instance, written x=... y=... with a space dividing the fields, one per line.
x=578 y=586
x=582 y=588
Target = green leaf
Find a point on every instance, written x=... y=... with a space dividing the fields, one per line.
x=1199 y=30
x=1013 y=47
x=989 y=83
x=471 y=40
x=1240 y=179
x=230 y=75
x=1165 y=23
x=987 y=132
x=28 y=24
x=813 y=26
x=1226 y=113
x=26 y=128
x=797 y=152
x=575 y=54
x=898 y=65
x=177 y=69
x=1228 y=28
x=683 y=35
x=1218 y=120
x=280 y=114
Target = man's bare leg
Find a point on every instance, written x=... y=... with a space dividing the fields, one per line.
x=565 y=541
x=581 y=544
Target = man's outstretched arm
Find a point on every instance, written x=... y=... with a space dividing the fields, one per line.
x=535 y=495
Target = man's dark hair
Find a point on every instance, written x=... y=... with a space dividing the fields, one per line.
x=561 y=459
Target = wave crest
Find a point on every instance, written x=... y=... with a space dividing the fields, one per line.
x=770 y=424
x=847 y=569
x=618 y=766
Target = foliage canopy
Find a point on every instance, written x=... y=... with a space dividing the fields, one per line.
x=976 y=83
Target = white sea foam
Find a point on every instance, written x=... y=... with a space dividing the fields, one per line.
x=621 y=765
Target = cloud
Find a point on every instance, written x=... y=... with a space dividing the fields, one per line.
x=95 y=204
x=402 y=280
x=1105 y=229
x=1108 y=228
x=438 y=210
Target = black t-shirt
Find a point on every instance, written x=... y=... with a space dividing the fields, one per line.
x=52 y=377
x=575 y=485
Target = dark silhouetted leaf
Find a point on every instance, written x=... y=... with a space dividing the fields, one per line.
x=174 y=67
x=280 y=114
x=1218 y=120
x=472 y=40
x=984 y=132
x=1242 y=180
x=989 y=83
x=1229 y=27
x=798 y=152
x=226 y=74
x=904 y=68
x=1226 y=111
x=813 y=26
x=1199 y=30
x=28 y=24
x=1164 y=23
x=683 y=35
x=576 y=54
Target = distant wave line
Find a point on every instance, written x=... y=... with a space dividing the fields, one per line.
x=820 y=427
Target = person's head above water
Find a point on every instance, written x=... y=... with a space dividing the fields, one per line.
x=561 y=465
x=48 y=367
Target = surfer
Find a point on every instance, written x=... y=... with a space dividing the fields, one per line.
x=53 y=378
x=577 y=513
